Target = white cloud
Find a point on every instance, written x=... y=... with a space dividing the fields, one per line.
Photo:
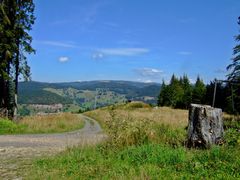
x=149 y=72
x=185 y=53
x=123 y=51
x=148 y=81
x=97 y=55
x=63 y=59
x=145 y=80
x=58 y=44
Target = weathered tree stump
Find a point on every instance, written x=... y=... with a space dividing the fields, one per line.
x=205 y=126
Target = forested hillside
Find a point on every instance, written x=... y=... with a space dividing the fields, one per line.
x=87 y=95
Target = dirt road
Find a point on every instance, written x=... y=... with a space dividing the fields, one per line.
x=17 y=150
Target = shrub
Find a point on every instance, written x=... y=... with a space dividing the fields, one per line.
x=136 y=105
x=7 y=126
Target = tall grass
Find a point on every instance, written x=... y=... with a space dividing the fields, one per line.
x=51 y=123
x=161 y=115
x=142 y=144
x=135 y=126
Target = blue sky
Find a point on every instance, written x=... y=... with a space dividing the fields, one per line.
x=136 y=40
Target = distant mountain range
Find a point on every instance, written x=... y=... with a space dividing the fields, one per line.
x=88 y=94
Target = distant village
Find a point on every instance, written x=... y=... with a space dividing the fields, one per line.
x=43 y=108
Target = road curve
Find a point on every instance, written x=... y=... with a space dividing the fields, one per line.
x=16 y=151
x=91 y=133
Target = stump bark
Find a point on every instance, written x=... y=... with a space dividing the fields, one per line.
x=205 y=126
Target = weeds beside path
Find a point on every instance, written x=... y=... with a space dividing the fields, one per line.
x=16 y=150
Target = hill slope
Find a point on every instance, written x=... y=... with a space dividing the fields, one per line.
x=87 y=94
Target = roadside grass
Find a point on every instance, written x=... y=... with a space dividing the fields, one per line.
x=148 y=161
x=52 y=123
x=143 y=144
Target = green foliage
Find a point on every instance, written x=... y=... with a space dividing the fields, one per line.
x=136 y=105
x=24 y=111
x=232 y=137
x=9 y=127
x=199 y=92
x=177 y=94
x=16 y=20
x=41 y=97
x=234 y=67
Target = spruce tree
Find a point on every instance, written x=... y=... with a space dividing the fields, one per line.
x=199 y=92
x=164 y=98
x=187 y=96
x=234 y=76
x=16 y=20
x=234 y=67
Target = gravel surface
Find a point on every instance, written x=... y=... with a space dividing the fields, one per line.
x=16 y=151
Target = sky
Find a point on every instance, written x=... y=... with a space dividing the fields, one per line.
x=135 y=40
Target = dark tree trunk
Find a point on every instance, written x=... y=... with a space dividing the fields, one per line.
x=3 y=98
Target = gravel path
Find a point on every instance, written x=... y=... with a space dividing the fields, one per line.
x=17 y=150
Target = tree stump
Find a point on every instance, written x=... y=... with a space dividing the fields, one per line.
x=205 y=126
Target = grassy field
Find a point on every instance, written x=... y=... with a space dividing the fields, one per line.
x=144 y=143
x=42 y=124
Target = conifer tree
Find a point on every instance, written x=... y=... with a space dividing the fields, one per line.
x=164 y=98
x=187 y=96
x=234 y=67
x=16 y=20
x=199 y=92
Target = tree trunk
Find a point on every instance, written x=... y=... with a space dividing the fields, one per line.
x=16 y=80
x=3 y=98
x=205 y=126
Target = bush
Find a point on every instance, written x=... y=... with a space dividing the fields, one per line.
x=7 y=126
x=136 y=105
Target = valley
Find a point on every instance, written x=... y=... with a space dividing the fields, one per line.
x=37 y=97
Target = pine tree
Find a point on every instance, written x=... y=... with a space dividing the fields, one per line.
x=187 y=96
x=199 y=92
x=164 y=98
x=234 y=67
x=16 y=19
x=176 y=91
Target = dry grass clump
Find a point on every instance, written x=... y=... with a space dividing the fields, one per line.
x=61 y=122
x=136 y=126
x=160 y=115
